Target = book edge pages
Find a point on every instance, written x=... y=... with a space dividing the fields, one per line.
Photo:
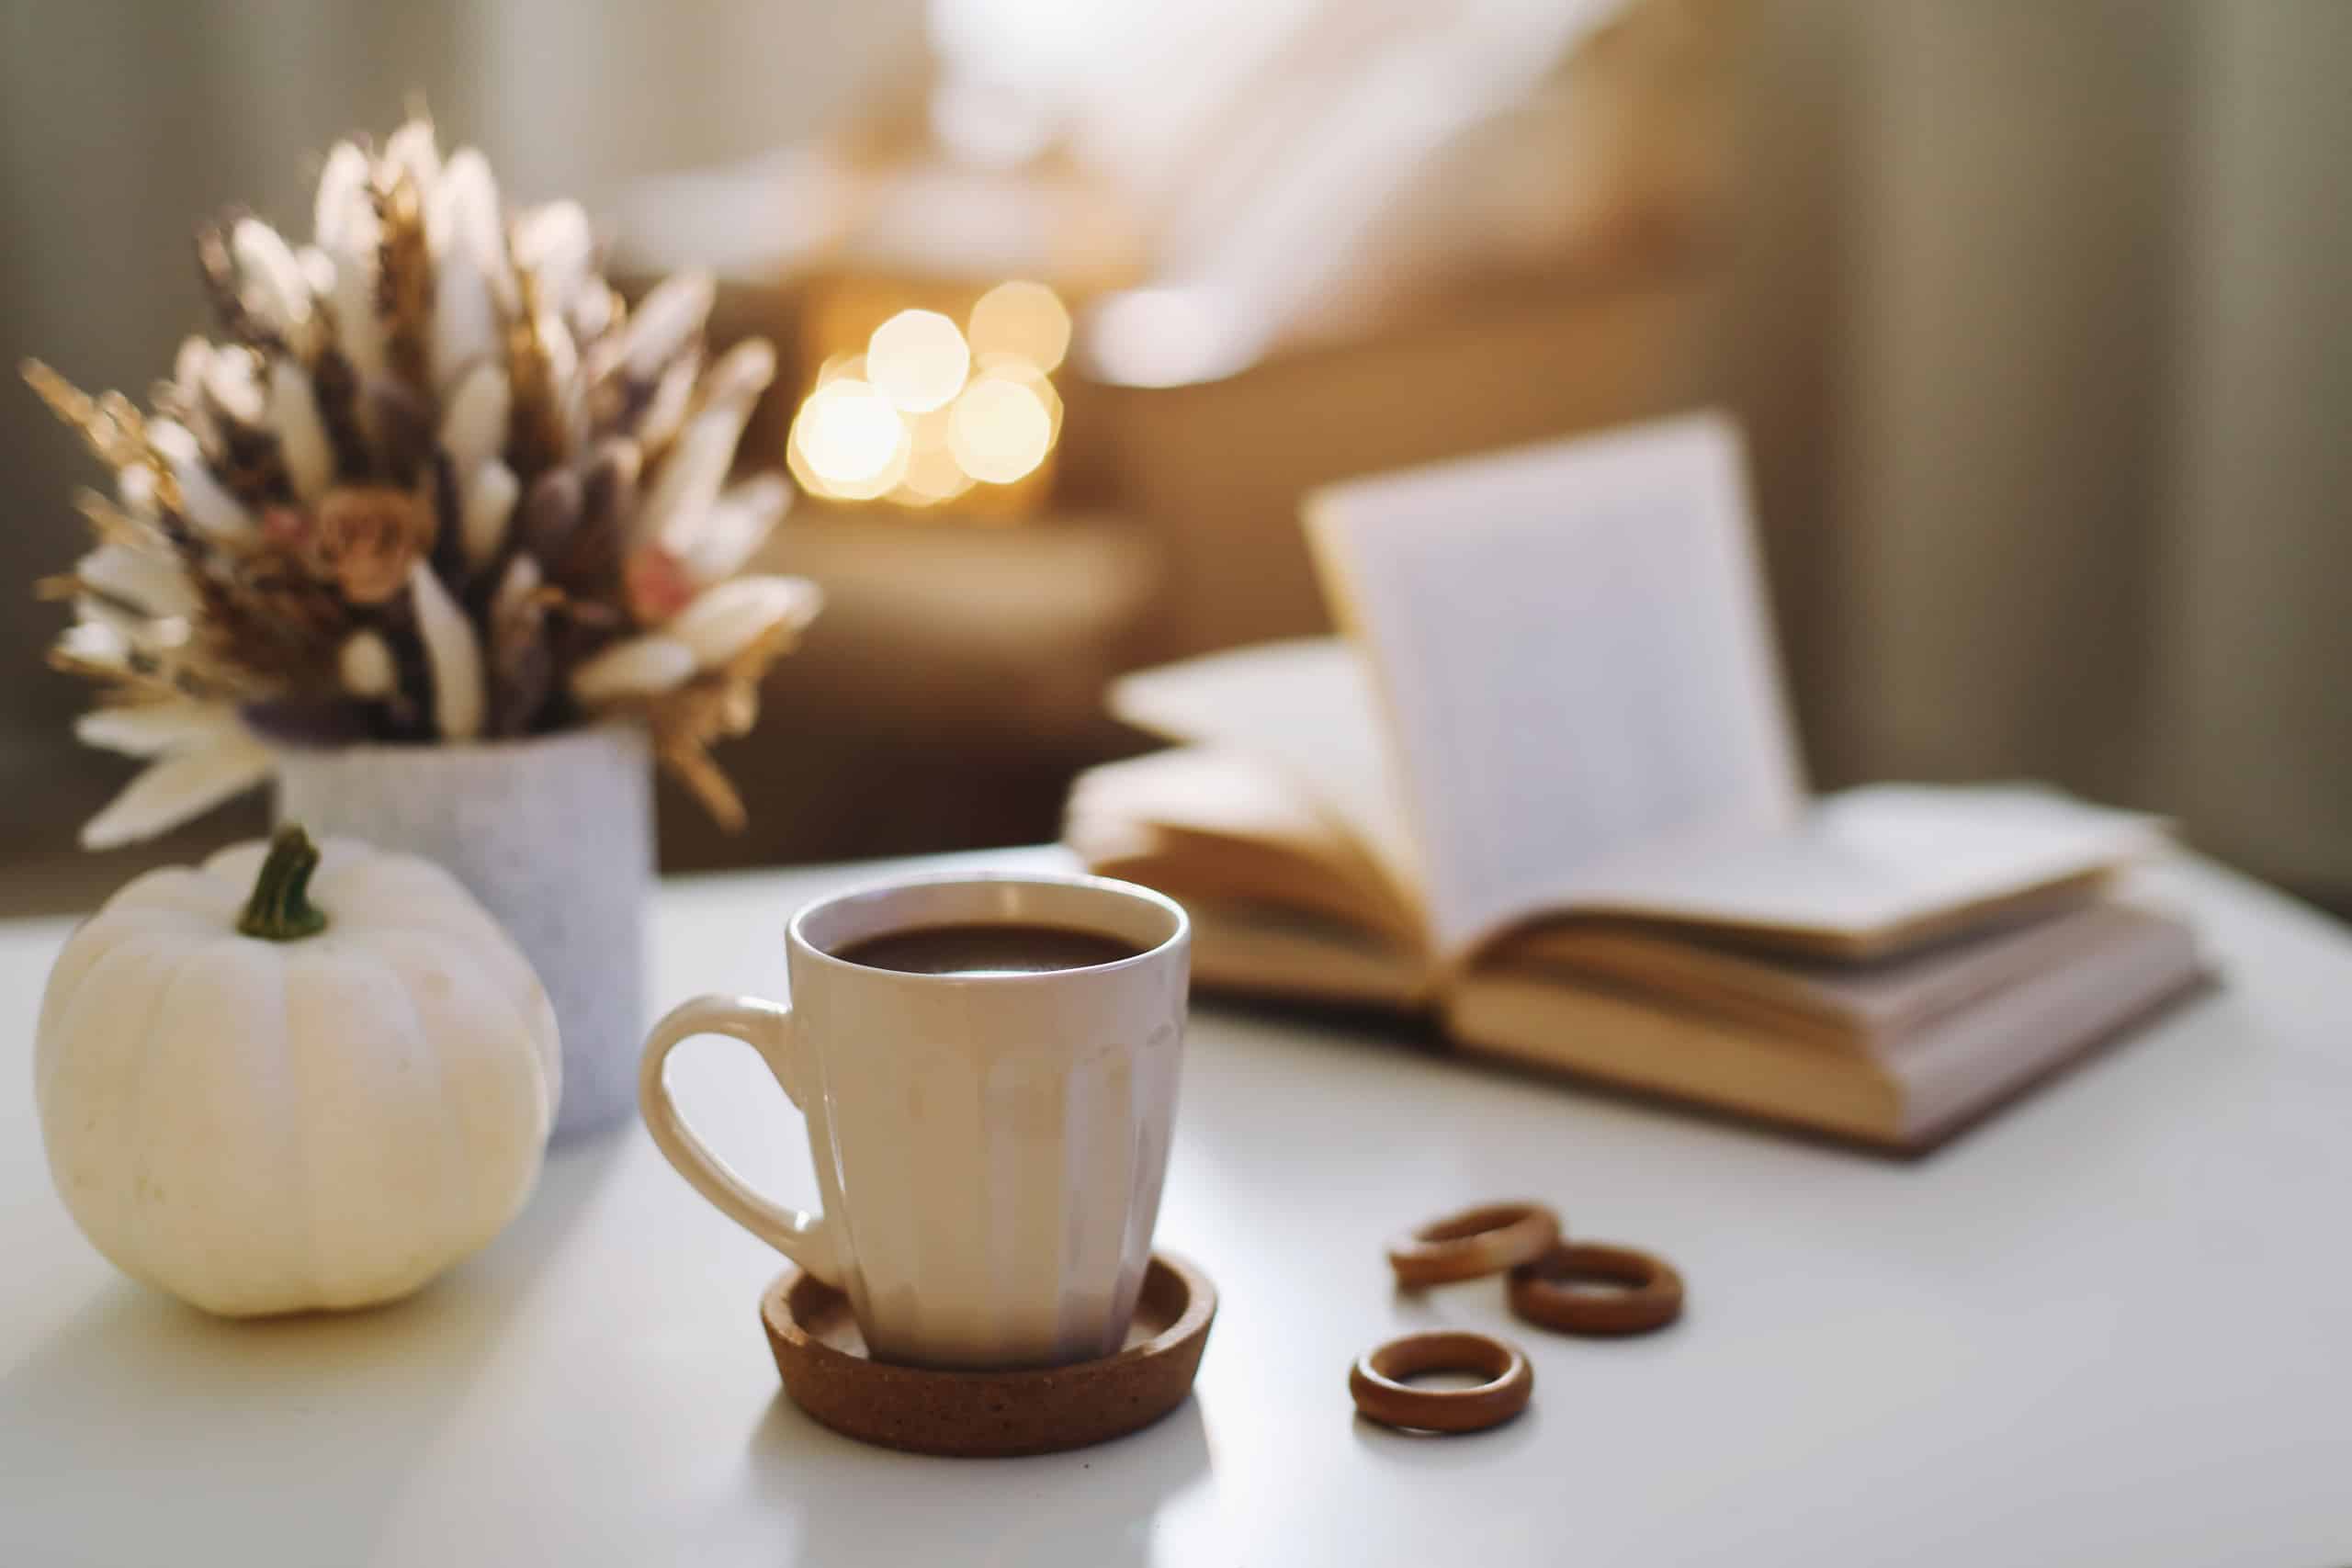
x=1807 y=1003
x=1256 y=952
x=2075 y=1010
x=1910 y=1095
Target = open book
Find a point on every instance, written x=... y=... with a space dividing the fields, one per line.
x=1545 y=784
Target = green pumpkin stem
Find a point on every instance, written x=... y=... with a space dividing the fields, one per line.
x=280 y=909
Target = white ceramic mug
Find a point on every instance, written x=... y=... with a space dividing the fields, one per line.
x=989 y=1147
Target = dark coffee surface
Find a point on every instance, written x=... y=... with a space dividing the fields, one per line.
x=987 y=948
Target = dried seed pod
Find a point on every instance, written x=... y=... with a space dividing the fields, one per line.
x=473 y=286
x=347 y=231
x=229 y=384
x=216 y=263
x=473 y=430
x=733 y=528
x=487 y=506
x=689 y=476
x=149 y=581
x=150 y=729
x=412 y=152
x=342 y=214
x=554 y=243
x=367 y=666
x=666 y=321
x=180 y=786
x=742 y=374
x=271 y=284
x=302 y=432
x=452 y=654
x=733 y=616
x=634 y=671
x=666 y=405
x=135 y=491
x=317 y=271
x=208 y=507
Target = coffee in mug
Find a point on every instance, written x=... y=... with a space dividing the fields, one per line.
x=982 y=948
x=988 y=1068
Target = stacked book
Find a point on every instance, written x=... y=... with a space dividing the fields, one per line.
x=1544 y=787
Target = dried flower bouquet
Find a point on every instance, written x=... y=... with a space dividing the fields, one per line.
x=436 y=483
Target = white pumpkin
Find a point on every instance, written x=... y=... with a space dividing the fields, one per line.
x=264 y=1090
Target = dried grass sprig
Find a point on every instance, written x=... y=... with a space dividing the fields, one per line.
x=721 y=705
x=404 y=276
x=109 y=425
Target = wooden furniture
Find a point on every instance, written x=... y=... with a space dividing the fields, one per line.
x=2109 y=1326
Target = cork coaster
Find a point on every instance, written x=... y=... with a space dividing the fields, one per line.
x=830 y=1374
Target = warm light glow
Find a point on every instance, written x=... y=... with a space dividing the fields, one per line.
x=933 y=473
x=1025 y=319
x=998 y=430
x=917 y=415
x=917 y=359
x=1014 y=367
x=840 y=365
x=871 y=488
x=848 y=433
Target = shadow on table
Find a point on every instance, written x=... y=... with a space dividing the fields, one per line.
x=143 y=1429
x=1401 y=1451
x=1096 y=1506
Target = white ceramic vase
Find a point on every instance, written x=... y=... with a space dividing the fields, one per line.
x=554 y=834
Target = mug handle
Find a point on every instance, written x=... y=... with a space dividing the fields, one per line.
x=766 y=1027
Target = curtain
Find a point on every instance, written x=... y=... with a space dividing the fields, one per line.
x=2045 y=333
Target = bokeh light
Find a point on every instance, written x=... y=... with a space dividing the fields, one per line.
x=1014 y=367
x=998 y=430
x=1023 y=320
x=849 y=437
x=917 y=415
x=842 y=365
x=933 y=473
x=918 y=360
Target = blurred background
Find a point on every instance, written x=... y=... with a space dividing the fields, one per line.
x=2038 y=314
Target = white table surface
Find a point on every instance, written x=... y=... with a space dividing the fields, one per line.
x=2113 y=1325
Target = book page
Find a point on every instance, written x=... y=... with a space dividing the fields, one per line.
x=1868 y=869
x=1304 y=708
x=1197 y=822
x=1572 y=648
